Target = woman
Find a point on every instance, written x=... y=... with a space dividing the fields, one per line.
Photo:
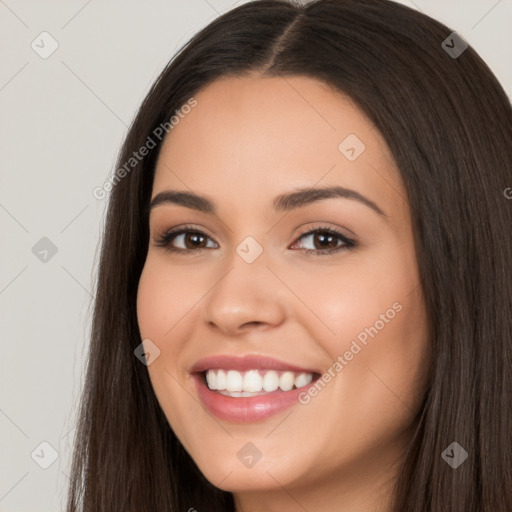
x=304 y=296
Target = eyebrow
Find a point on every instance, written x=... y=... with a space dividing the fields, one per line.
x=284 y=202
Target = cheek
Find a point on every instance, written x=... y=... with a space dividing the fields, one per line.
x=379 y=356
x=377 y=313
x=151 y=301
x=369 y=292
x=165 y=295
x=162 y=300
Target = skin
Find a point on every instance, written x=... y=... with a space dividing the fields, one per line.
x=247 y=141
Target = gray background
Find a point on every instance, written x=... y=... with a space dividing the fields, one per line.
x=62 y=121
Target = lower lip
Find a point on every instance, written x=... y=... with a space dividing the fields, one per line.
x=246 y=409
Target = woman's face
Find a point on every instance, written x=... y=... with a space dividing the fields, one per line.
x=257 y=291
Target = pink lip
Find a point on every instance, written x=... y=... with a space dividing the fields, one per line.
x=245 y=409
x=250 y=362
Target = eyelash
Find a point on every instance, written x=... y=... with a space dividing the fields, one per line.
x=165 y=240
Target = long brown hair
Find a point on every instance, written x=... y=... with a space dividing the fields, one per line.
x=448 y=124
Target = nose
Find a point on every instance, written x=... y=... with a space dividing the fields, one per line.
x=244 y=297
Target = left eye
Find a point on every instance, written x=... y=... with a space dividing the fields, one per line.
x=324 y=240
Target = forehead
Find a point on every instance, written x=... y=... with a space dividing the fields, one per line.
x=249 y=139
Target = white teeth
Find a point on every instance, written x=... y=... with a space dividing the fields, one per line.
x=221 y=379
x=235 y=383
x=252 y=381
x=286 y=381
x=211 y=379
x=270 y=381
x=303 y=379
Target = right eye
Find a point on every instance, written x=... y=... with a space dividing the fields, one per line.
x=190 y=238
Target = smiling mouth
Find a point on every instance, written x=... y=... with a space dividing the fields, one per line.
x=255 y=382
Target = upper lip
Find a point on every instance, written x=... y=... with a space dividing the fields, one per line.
x=242 y=363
